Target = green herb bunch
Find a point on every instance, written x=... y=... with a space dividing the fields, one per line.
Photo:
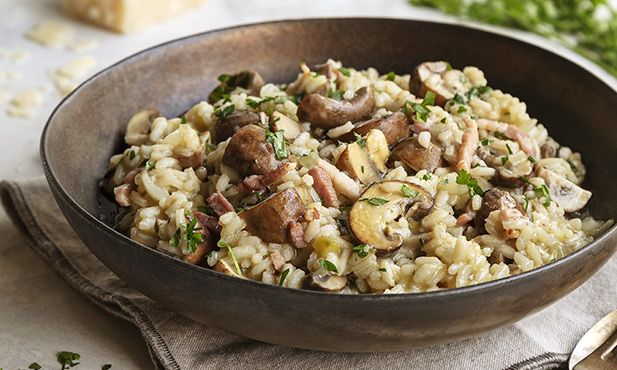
x=589 y=27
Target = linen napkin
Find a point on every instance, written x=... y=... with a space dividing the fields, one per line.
x=542 y=341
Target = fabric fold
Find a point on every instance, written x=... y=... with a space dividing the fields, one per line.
x=176 y=342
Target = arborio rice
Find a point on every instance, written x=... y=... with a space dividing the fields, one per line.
x=353 y=181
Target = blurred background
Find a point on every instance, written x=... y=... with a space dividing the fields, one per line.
x=45 y=53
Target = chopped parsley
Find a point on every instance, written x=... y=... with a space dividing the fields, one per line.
x=383 y=269
x=426 y=177
x=362 y=168
x=192 y=237
x=225 y=78
x=335 y=94
x=464 y=178
x=150 y=164
x=328 y=266
x=223 y=244
x=571 y=164
x=67 y=359
x=183 y=120
x=106 y=367
x=274 y=99
x=345 y=71
x=222 y=112
x=420 y=110
x=283 y=277
x=360 y=140
x=500 y=135
x=541 y=192
x=361 y=250
x=532 y=160
x=486 y=141
x=175 y=239
x=277 y=139
x=461 y=109
x=390 y=76
x=409 y=192
x=132 y=155
x=34 y=366
x=375 y=201
x=509 y=149
x=478 y=91
x=504 y=160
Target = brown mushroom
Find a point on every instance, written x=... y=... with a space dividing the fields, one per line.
x=249 y=80
x=365 y=160
x=139 y=125
x=381 y=204
x=325 y=282
x=329 y=113
x=417 y=157
x=227 y=126
x=249 y=153
x=494 y=200
x=439 y=78
x=269 y=220
x=564 y=192
x=395 y=127
x=549 y=149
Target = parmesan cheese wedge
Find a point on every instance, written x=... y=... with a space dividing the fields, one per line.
x=127 y=15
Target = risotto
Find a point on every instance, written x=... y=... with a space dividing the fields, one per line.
x=352 y=181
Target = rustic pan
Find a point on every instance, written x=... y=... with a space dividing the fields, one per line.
x=87 y=128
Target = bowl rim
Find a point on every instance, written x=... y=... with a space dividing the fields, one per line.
x=438 y=294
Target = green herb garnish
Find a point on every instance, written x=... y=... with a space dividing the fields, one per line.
x=67 y=359
x=478 y=91
x=464 y=178
x=486 y=142
x=359 y=139
x=361 y=250
x=132 y=155
x=390 y=76
x=277 y=139
x=345 y=71
x=335 y=94
x=420 y=110
x=183 y=120
x=531 y=159
x=409 y=192
x=106 y=367
x=223 y=244
x=34 y=366
x=175 y=239
x=509 y=149
x=283 y=277
x=328 y=266
x=192 y=237
x=543 y=195
x=150 y=164
x=222 y=112
x=504 y=160
x=426 y=177
x=374 y=201
x=383 y=269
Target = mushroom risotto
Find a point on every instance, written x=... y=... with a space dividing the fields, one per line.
x=351 y=181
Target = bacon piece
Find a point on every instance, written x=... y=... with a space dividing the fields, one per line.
x=277 y=260
x=296 y=235
x=252 y=184
x=323 y=186
x=219 y=203
x=130 y=177
x=194 y=160
x=464 y=219
x=121 y=194
x=209 y=222
x=468 y=147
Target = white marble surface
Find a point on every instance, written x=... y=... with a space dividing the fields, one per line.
x=47 y=315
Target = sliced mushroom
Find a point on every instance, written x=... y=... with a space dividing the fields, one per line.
x=365 y=160
x=494 y=200
x=439 y=78
x=280 y=122
x=249 y=153
x=565 y=193
x=395 y=127
x=381 y=204
x=226 y=127
x=325 y=282
x=139 y=125
x=226 y=268
x=329 y=113
x=417 y=157
x=249 y=80
x=269 y=220
x=549 y=149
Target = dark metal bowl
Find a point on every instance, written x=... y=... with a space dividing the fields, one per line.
x=87 y=128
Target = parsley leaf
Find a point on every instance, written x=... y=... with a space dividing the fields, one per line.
x=426 y=177
x=345 y=71
x=328 y=266
x=429 y=98
x=504 y=160
x=375 y=201
x=106 y=367
x=359 y=139
x=383 y=269
x=362 y=250
x=223 y=244
x=34 y=366
x=183 y=120
x=283 y=277
x=409 y=192
x=132 y=155
x=486 y=142
x=478 y=91
x=277 y=139
x=390 y=76
x=509 y=149
x=150 y=164
x=222 y=112
x=464 y=178
x=67 y=359
x=175 y=239
x=192 y=237
x=335 y=94
x=543 y=195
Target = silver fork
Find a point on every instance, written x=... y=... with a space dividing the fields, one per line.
x=597 y=349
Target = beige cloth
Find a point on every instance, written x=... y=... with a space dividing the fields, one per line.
x=175 y=342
